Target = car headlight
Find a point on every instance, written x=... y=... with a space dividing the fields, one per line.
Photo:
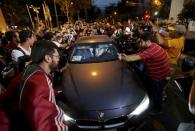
x=141 y=107
x=68 y=118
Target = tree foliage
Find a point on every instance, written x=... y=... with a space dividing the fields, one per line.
x=137 y=8
x=65 y=6
x=188 y=12
x=72 y=7
x=15 y=12
x=165 y=9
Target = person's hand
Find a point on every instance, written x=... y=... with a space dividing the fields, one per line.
x=154 y=27
x=121 y=56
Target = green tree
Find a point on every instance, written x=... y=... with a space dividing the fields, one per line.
x=15 y=12
x=72 y=7
x=165 y=9
x=86 y=6
x=66 y=8
x=80 y=5
x=188 y=12
x=94 y=13
x=111 y=9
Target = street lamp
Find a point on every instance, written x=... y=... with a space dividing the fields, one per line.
x=155 y=13
x=129 y=3
x=157 y=3
x=114 y=16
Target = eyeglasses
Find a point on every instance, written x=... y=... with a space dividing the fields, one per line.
x=57 y=56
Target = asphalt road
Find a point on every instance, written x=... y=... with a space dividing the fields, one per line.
x=175 y=111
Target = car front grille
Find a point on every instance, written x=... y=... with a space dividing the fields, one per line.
x=116 y=122
x=111 y=123
x=87 y=124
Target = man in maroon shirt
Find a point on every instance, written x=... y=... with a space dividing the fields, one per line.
x=156 y=62
x=32 y=91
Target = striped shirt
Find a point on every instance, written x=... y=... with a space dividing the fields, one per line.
x=39 y=104
x=156 y=62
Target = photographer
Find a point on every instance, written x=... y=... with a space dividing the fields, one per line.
x=173 y=41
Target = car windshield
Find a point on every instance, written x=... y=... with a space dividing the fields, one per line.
x=94 y=53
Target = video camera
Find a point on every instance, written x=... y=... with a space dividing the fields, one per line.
x=128 y=45
x=188 y=64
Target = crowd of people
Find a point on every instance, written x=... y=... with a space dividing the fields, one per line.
x=36 y=54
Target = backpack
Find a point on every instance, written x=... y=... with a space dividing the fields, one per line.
x=13 y=67
x=18 y=48
x=8 y=56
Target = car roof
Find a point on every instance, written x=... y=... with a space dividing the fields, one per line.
x=93 y=39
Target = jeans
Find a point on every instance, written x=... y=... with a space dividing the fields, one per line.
x=155 y=91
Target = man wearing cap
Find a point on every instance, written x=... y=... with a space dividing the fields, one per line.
x=157 y=66
x=173 y=43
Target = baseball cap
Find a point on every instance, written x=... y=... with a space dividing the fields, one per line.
x=171 y=28
x=177 y=28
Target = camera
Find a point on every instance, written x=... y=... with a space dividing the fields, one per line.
x=128 y=45
x=186 y=63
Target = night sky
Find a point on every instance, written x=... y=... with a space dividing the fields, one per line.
x=103 y=3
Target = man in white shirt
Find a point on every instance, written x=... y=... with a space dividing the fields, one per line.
x=27 y=39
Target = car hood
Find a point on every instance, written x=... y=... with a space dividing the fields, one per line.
x=101 y=86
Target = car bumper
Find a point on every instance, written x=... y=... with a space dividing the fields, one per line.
x=121 y=122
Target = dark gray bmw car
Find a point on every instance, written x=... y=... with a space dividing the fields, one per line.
x=98 y=90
